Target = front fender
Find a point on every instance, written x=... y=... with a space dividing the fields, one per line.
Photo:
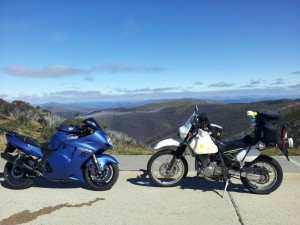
x=170 y=143
x=103 y=159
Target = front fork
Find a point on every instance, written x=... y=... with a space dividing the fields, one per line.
x=97 y=164
x=179 y=152
x=173 y=163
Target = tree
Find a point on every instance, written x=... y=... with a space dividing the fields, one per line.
x=43 y=122
x=52 y=119
x=3 y=108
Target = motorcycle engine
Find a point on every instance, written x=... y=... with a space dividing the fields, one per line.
x=208 y=167
x=212 y=170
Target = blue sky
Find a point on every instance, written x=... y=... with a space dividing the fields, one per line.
x=71 y=50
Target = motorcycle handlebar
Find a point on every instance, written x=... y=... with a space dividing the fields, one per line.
x=201 y=121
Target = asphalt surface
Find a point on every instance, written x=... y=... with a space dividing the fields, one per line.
x=134 y=200
x=137 y=162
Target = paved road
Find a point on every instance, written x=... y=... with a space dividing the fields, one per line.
x=134 y=200
x=137 y=162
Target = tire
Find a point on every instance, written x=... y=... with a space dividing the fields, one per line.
x=103 y=181
x=270 y=181
x=16 y=177
x=158 y=168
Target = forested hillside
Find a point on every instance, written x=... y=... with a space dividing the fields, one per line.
x=152 y=122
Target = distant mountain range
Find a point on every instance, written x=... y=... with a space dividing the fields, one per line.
x=66 y=110
x=149 y=123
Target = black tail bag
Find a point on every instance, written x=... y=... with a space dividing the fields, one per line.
x=268 y=126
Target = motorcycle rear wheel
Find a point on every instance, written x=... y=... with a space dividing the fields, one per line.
x=270 y=181
x=105 y=179
x=16 y=177
x=160 y=171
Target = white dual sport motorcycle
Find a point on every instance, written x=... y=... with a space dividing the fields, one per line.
x=219 y=161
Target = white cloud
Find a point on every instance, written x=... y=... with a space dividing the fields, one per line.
x=146 y=90
x=198 y=83
x=296 y=72
x=221 y=84
x=254 y=83
x=279 y=81
x=88 y=79
x=120 y=67
x=51 y=71
x=64 y=70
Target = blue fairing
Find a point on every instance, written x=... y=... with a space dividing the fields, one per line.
x=95 y=141
x=24 y=147
x=69 y=159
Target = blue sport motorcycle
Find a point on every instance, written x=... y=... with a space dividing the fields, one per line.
x=74 y=153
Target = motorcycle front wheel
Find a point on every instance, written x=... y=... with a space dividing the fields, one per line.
x=166 y=169
x=102 y=180
x=269 y=181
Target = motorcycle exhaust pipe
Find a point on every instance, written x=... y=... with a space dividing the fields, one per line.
x=248 y=175
x=19 y=163
x=234 y=173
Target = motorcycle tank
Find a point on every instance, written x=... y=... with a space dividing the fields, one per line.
x=64 y=133
x=201 y=143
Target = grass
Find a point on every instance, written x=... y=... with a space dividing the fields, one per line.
x=2 y=142
x=131 y=151
x=276 y=151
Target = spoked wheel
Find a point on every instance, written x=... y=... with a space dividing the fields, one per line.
x=102 y=180
x=165 y=169
x=266 y=182
x=16 y=177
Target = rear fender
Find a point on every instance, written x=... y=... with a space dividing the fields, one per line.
x=103 y=160
x=168 y=144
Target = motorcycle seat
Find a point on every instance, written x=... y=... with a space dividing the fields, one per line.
x=240 y=143
x=32 y=141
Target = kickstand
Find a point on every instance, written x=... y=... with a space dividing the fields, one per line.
x=226 y=185
x=144 y=175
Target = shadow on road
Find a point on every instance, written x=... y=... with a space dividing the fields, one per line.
x=44 y=183
x=194 y=183
x=197 y=183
